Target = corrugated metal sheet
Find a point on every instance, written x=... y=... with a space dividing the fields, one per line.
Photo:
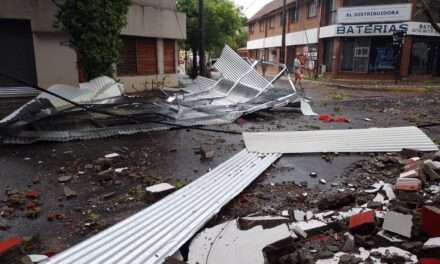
x=352 y=140
x=12 y=92
x=161 y=229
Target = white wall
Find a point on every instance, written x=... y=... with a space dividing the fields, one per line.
x=55 y=63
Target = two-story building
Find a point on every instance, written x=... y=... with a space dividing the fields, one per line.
x=348 y=38
x=32 y=49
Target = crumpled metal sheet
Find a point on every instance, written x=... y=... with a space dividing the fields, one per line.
x=29 y=137
x=15 y=92
x=240 y=91
x=101 y=90
x=162 y=228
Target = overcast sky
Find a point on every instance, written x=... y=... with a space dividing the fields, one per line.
x=250 y=7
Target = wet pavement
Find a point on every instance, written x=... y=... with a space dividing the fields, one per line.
x=174 y=157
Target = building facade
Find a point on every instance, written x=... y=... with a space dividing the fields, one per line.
x=349 y=38
x=34 y=50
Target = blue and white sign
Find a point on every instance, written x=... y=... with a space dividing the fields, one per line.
x=370 y=29
x=374 y=14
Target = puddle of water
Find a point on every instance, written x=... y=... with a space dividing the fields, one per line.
x=297 y=168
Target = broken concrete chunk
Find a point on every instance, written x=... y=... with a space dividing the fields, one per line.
x=34 y=258
x=388 y=189
x=245 y=223
x=112 y=155
x=69 y=193
x=309 y=227
x=430 y=168
x=226 y=243
x=298 y=230
x=64 y=178
x=398 y=223
x=349 y=244
x=432 y=243
x=206 y=152
x=120 y=170
x=299 y=215
x=363 y=223
x=377 y=255
x=160 y=188
x=408 y=184
x=430 y=217
x=409 y=174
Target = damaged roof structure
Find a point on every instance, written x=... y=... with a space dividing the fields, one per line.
x=240 y=90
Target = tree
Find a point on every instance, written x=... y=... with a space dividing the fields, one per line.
x=431 y=9
x=224 y=24
x=94 y=29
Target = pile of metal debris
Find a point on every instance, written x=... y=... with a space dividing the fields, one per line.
x=100 y=109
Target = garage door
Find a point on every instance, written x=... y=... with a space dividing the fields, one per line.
x=17 y=57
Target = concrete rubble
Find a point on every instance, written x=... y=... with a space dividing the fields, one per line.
x=398 y=227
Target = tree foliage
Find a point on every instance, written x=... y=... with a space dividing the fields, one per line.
x=224 y=24
x=94 y=29
x=431 y=10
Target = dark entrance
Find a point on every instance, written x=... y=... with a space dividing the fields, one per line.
x=425 y=56
x=16 y=52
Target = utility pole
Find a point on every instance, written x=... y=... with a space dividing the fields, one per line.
x=283 y=34
x=202 y=39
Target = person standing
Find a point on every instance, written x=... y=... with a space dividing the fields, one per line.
x=298 y=67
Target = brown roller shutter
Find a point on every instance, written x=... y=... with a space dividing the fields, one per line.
x=146 y=56
x=169 y=56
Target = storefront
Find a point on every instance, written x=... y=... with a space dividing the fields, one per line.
x=367 y=54
x=362 y=43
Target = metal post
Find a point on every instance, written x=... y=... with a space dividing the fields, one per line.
x=202 y=39
x=283 y=34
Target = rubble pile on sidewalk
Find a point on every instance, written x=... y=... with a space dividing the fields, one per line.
x=391 y=217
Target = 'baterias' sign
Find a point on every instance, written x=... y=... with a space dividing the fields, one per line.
x=370 y=29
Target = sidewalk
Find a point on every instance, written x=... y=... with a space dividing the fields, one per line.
x=379 y=85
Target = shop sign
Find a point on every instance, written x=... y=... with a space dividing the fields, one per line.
x=422 y=29
x=376 y=13
x=370 y=29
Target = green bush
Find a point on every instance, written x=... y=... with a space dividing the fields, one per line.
x=94 y=29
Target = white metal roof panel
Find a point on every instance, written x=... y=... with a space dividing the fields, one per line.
x=347 y=140
x=162 y=228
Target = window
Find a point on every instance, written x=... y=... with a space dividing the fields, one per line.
x=312 y=8
x=272 y=22
x=331 y=12
x=251 y=28
x=138 y=56
x=261 y=26
x=293 y=13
